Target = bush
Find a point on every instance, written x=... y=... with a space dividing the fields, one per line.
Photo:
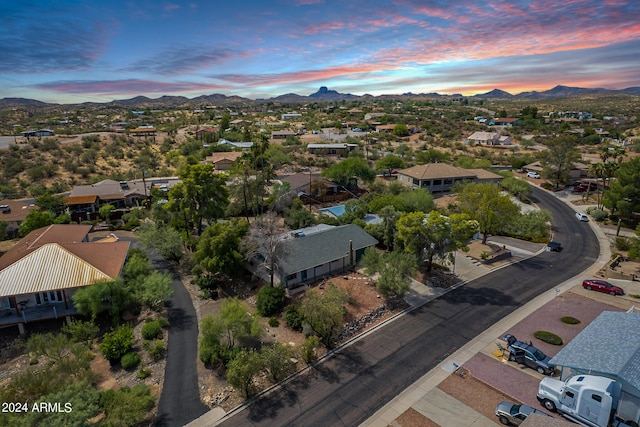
x=143 y=373
x=130 y=360
x=293 y=317
x=117 y=343
x=548 y=337
x=273 y=322
x=569 y=320
x=156 y=349
x=599 y=214
x=309 y=346
x=547 y=186
x=623 y=244
x=270 y=300
x=151 y=330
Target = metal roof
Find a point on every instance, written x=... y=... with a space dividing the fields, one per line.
x=48 y=268
x=608 y=345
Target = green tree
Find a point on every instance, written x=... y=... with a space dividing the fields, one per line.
x=324 y=313
x=102 y=297
x=219 y=248
x=81 y=331
x=308 y=348
x=277 y=360
x=166 y=240
x=35 y=220
x=3 y=230
x=396 y=269
x=390 y=162
x=400 y=130
x=487 y=205
x=201 y=195
x=270 y=300
x=53 y=203
x=559 y=158
x=518 y=187
x=623 y=196
x=346 y=171
x=533 y=225
x=106 y=210
x=156 y=288
x=242 y=370
x=434 y=235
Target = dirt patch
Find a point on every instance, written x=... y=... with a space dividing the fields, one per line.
x=413 y=418
x=473 y=393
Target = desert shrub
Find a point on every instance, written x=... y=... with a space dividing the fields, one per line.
x=270 y=300
x=293 y=317
x=623 y=244
x=548 y=337
x=308 y=349
x=273 y=322
x=599 y=214
x=569 y=320
x=130 y=360
x=156 y=349
x=547 y=186
x=151 y=330
x=143 y=373
x=117 y=343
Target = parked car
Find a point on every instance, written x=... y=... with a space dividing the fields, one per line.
x=554 y=246
x=511 y=413
x=584 y=186
x=582 y=217
x=602 y=286
x=535 y=175
x=528 y=355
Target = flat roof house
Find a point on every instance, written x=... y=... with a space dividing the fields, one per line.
x=43 y=270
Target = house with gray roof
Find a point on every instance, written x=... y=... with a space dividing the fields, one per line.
x=609 y=346
x=310 y=254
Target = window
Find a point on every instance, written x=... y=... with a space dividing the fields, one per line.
x=569 y=394
x=448 y=182
x=437 y=182
x=38 y=300
x=292 y=276
x=596 y=397
x=426 y=183
x=59 y=295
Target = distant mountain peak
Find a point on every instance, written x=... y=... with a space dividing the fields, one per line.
x=495 y=93
x=328 y=94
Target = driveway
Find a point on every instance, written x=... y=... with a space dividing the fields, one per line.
x=180 y=400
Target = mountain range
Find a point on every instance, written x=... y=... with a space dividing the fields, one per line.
x=323 y=94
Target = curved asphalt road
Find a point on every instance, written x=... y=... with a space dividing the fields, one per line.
x=180 y=400
x=348 y=388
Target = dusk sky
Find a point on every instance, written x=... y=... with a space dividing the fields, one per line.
x=74 y=51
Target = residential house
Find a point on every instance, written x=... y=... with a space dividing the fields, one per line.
x=239 y=123
x=143 y=131
x=488 y=138
x=385 y=128
x=309 y=184
x=288 y=116
x=204 y=130
x=282 y=134
x=14 y=212
x=223 y=161
x=578 y=171
x=504 y=121
x=40 y=274
x=121 y=194
x=37 y=133
x=332 y=149
x=608 y=347
x=244 y=146
x=316 y=252
x=440 y=177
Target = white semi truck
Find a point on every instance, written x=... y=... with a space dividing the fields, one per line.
x=589 y=400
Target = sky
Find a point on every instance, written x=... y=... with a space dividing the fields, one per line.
x=70 y=51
